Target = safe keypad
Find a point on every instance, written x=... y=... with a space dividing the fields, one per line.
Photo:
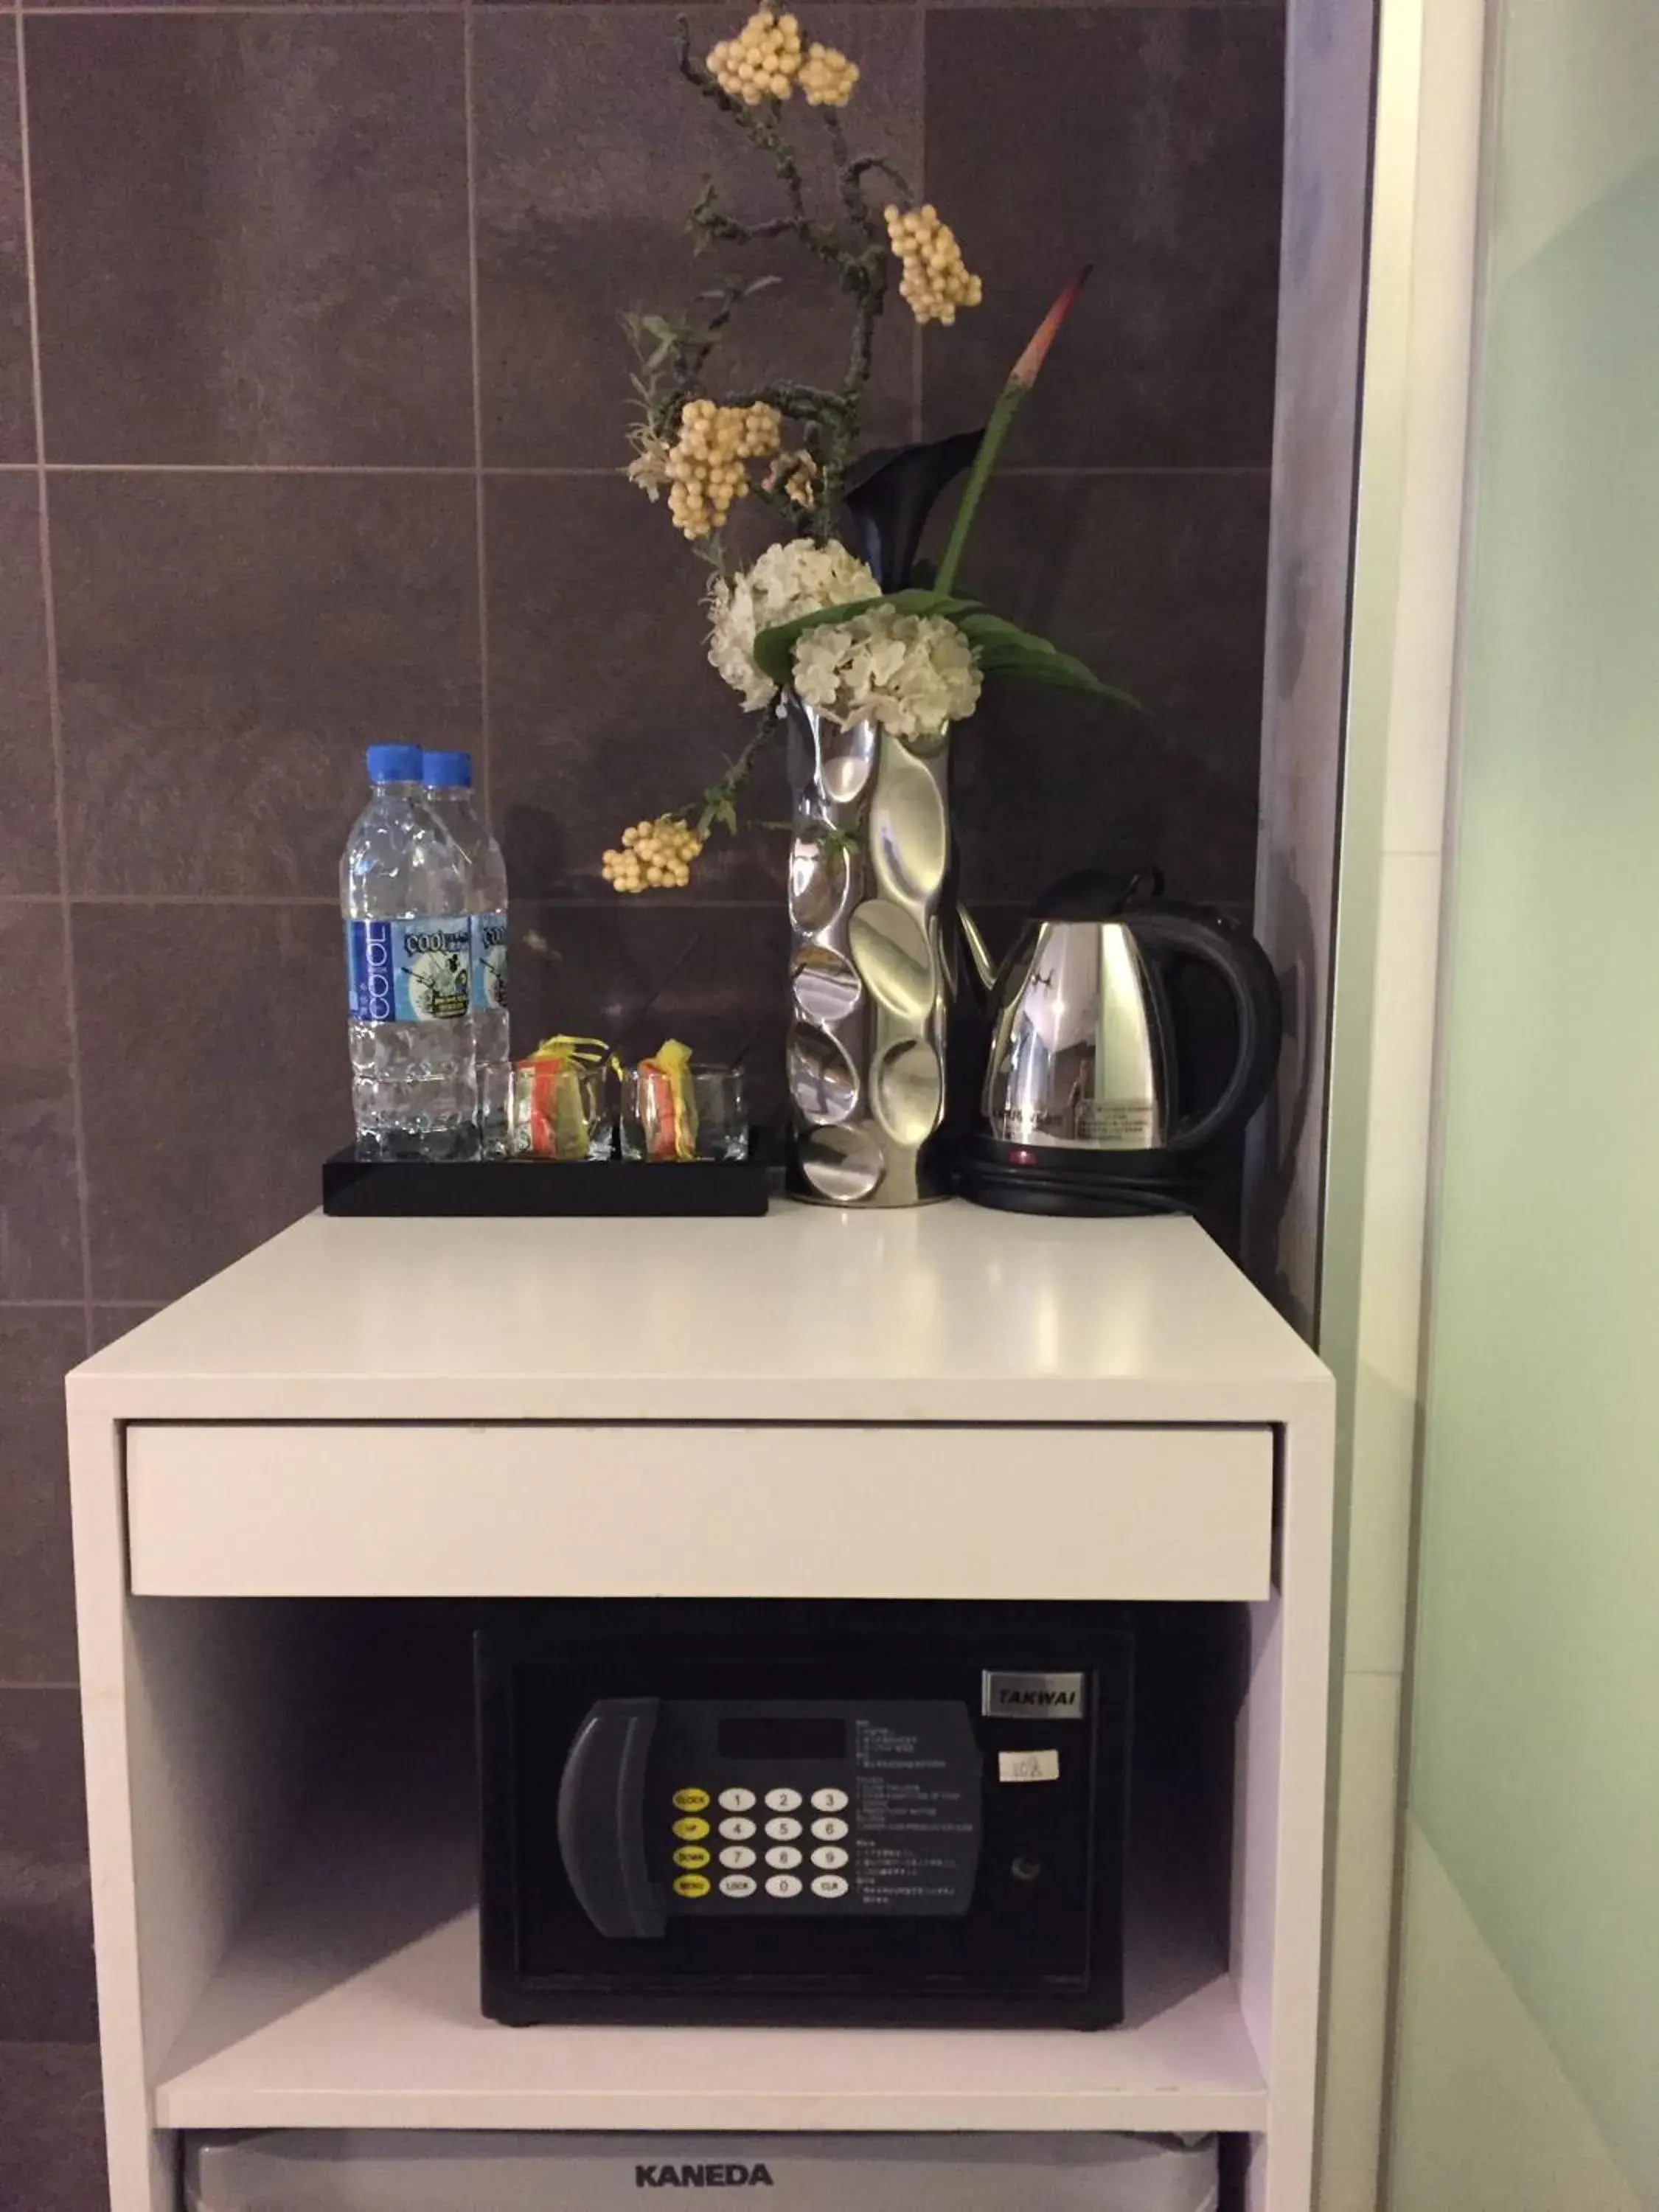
x=777 y=1845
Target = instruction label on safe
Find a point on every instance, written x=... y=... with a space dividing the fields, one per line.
x=917 y=1817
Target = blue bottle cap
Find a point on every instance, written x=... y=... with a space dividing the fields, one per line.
x=394 y=764
x=448 y=771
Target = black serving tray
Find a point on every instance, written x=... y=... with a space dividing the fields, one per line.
x=506 y=1189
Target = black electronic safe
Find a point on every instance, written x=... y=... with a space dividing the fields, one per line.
x=747 y=1811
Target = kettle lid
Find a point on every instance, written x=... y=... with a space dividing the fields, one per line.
x=1096 y=895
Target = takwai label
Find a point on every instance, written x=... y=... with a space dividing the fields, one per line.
x=489 y=962
x=410 y=971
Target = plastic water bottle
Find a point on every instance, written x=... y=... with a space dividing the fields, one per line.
x=404 y=894
x=448 y=793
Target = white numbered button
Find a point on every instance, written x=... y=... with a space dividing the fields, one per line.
x=828 y=1831
x=737 y=1855
x=786 y=1831
x=737 y=1831
x=784 y=1855
x=741 y=1801
x=825 y=1801
x=783 y=1885
x=827 y=1855
x=829 y=1885
x=737 y=1885
x=783 y=1801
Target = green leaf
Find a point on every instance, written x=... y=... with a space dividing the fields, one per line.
x=774 y=648
x=1003 y=649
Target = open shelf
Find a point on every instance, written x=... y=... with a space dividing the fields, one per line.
x=350 y=1999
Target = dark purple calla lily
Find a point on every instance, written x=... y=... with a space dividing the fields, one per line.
x=889 y=496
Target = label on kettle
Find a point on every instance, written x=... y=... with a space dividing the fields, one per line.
x=1123 y=1124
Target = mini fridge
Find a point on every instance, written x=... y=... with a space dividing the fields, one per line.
x=437 y=2171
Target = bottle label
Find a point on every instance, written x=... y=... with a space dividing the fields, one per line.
x=409 y=971
x=490 y=962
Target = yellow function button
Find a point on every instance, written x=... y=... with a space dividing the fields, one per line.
x=691 y=1855
x=691 y=1831
x=691 y=1885
x=690 y=1801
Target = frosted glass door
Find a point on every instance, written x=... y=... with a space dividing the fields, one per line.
x=1527 y=2053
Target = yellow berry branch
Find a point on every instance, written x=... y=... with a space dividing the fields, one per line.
x=707 y=452
x=709 y=220
x=761 y=123
x=673 y=355
x=659 y=855
x=746 y=79
x=702 y=459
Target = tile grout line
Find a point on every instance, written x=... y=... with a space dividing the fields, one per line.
x=1015 y=469
x=485 y=732
x=54 y=693
x=202 y=898
x=434 y=8
x=118 y=8
x=430 y=8
x=258 y=468
x=597 y=901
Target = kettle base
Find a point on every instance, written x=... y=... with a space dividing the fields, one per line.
x=1045 y=1179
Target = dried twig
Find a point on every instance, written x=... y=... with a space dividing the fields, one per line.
x=717 y=806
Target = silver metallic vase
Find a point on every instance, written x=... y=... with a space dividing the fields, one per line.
x=870 y=963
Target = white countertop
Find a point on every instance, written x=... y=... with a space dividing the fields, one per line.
x=947 y=1313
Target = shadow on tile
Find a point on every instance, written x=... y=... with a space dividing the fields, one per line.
x=1147 y=141
x=39 y=1202
x=37 y=1589
x=52 y=2129
x=591 y=149
x=205 y=1136
x=16 y=373
x=1158 y=583
x=46 y=1907
x=604 y=707
x=227 y=645
x=29 y=821
x=635 y=973
x=267 y=262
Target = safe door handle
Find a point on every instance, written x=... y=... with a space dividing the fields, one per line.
x=602 y=1817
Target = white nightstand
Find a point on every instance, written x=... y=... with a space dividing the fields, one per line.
x=421 y=1410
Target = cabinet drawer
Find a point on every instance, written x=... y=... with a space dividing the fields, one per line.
x=432 y=1509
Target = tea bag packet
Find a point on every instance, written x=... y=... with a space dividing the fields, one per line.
x=667 y=1104
x=553 y=1094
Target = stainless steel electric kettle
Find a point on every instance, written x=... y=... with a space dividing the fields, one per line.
x=1082 y=1107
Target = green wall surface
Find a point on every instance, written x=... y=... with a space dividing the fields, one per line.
x=1534 y=1792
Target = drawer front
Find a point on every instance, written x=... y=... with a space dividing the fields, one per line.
x=431 y=1510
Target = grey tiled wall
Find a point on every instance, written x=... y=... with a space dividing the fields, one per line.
x=323 y=449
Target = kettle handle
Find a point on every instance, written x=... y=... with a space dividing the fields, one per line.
x=1253 y=988
x=981 y=969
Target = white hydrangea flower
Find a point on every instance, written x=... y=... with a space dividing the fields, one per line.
x=912 y=675
x=796 y=578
